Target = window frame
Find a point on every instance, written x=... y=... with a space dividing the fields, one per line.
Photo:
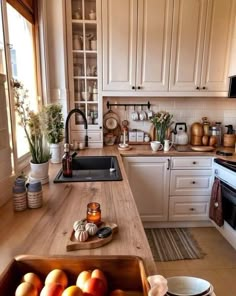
x=22 y=163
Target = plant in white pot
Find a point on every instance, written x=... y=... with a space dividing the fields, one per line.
x=34 y=125
x=55 y=131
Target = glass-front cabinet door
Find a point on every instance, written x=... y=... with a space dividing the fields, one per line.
x=83 y=39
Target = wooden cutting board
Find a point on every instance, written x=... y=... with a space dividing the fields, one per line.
x=93 y=241
x=202 y=148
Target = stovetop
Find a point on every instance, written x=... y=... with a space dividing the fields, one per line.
x=231 y=165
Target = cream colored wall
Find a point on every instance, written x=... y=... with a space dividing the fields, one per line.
x=232 y=69
x=186 y=110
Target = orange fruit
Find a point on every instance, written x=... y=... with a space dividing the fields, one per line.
x=57 y=276
x=72 y=291
x=82 y=278
x=26 y=289
x=34 y=279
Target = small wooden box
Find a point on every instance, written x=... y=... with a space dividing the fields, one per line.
x=122 y=272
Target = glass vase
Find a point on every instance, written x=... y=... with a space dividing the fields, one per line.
x=161 y=135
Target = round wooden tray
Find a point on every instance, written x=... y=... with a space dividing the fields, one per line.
x=93 y=241
x=202 y=148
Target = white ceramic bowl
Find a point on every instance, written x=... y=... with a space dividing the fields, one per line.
x=187 y=286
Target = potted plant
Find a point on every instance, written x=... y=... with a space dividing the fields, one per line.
x=55 y=128
x=34 y=125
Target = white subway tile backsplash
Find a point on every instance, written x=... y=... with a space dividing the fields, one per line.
x=186 y=110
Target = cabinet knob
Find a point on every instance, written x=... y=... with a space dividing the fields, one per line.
x=204 y=87
x=194 y=162
x=193 y=182
x=192 y=209
x=197 y=87
x=133 y=87
x=139 y=87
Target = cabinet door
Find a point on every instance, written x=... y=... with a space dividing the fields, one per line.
x=149 y=181
x=217 y=45
x=83 y=23
x=153 y=48
x=119 y=28
x=187 y=44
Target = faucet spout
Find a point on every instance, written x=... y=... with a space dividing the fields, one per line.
x=76 y=110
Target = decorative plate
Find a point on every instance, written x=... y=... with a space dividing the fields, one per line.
x=111 y=123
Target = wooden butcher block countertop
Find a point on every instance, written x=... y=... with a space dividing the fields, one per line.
x=45 y=231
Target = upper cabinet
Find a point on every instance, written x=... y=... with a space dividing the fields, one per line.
x=201 y=43
x=136 y=45
x=167 y=47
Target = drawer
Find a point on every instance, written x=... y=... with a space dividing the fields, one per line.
x=189 y=208
x=193 y=163
x=184 y=182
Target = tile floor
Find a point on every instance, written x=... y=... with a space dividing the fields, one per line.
x=218 y=266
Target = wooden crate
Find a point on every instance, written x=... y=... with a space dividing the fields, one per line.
x=122 y=272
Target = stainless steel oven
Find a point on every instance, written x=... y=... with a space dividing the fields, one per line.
x=225 y=171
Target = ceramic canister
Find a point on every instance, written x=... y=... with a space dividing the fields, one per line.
x=34 y=194
x=19 y=195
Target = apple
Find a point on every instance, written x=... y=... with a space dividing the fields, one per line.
x=82 y=278
x=26 y=289
x=57 y=276
x=52 y=289
x=94 y=287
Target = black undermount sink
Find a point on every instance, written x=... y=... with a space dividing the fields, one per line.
x=92 y=169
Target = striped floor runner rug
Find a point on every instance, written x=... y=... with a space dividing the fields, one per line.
x=170 y=244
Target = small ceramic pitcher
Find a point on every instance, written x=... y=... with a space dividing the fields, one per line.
x=167 y=145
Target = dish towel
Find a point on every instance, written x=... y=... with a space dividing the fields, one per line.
x=158 y=285
x=216 y=209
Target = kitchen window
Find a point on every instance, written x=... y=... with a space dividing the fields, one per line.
x=19 y=35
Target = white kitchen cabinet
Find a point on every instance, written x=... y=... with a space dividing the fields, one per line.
x=201 y=43
x=190 y=188
x=83 y=23
x=136 y=45
x=149 y=181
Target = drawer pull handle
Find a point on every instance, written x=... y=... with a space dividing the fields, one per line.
x=194 y=162
x=192 y=209
x=193 y=182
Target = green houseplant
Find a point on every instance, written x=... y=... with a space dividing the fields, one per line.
x=35 y=127
x=55 y=131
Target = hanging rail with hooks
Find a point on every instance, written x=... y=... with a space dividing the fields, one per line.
x=148 y=104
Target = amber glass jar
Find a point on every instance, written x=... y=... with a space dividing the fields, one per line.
x=93 y=213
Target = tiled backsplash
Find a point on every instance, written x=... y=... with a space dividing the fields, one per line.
x=187 y=110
